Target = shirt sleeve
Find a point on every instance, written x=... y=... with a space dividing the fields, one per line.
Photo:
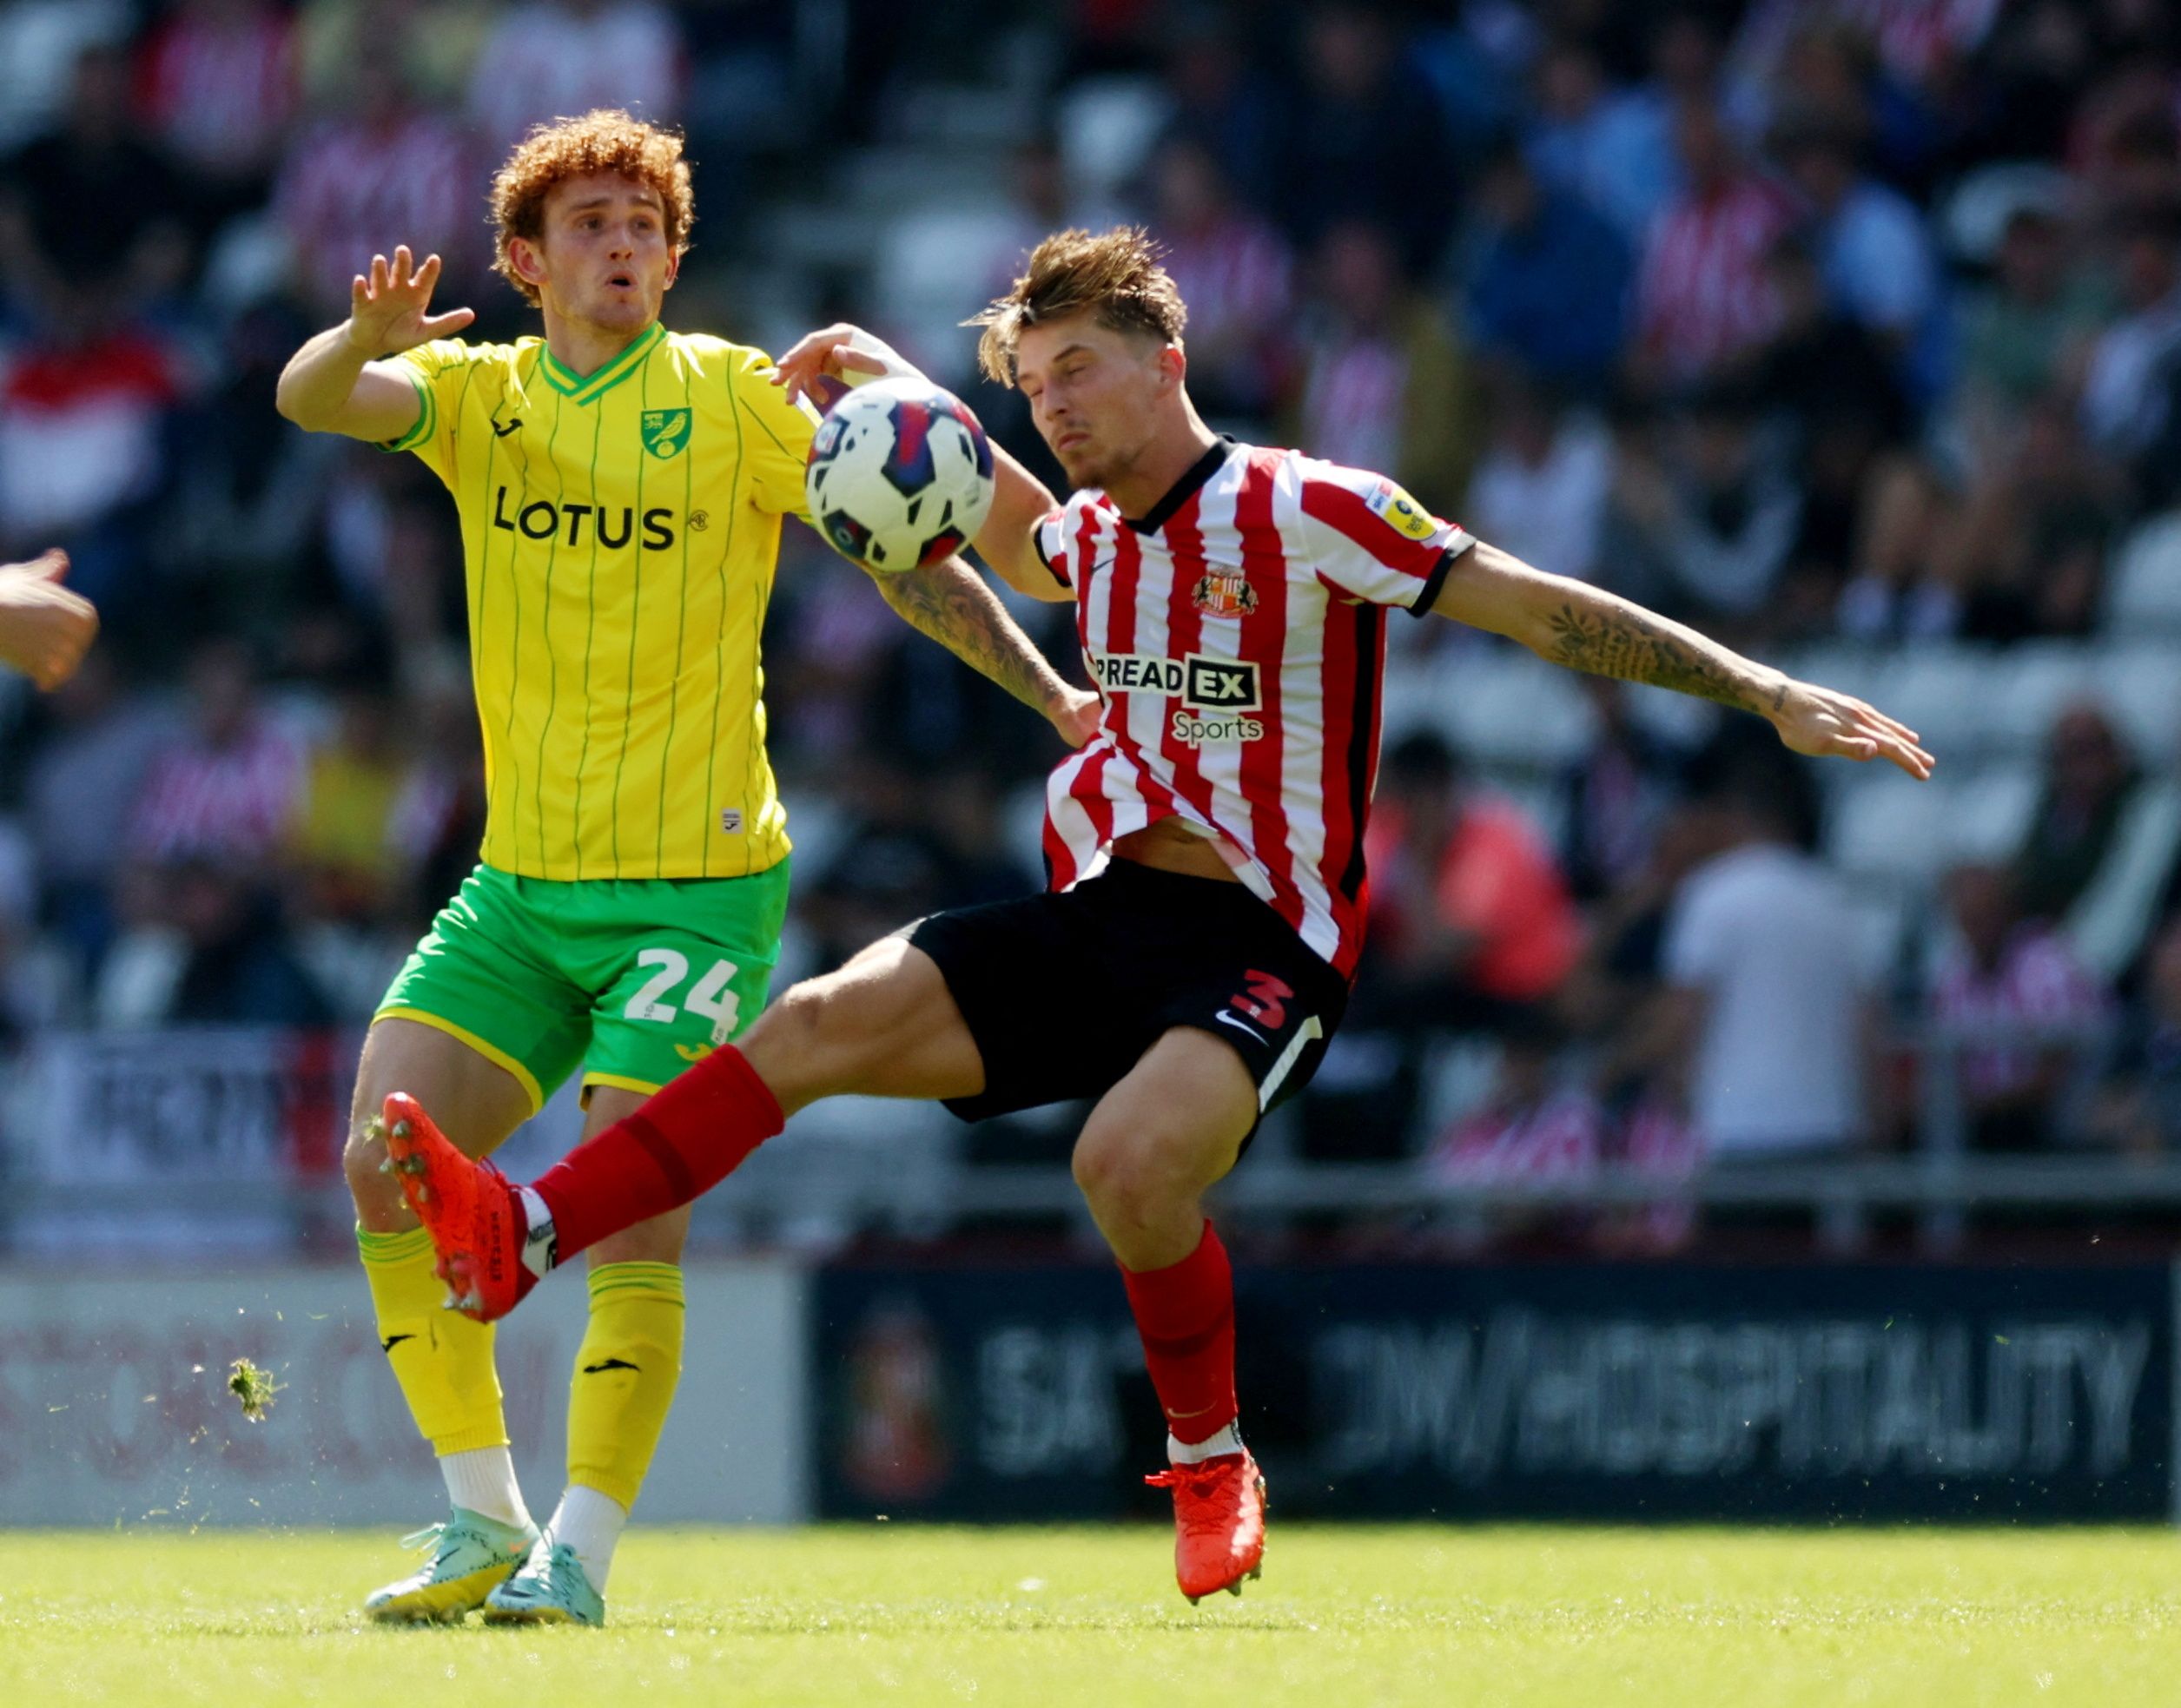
x=1048 y=538
x=777 y=435
x=1372 y=541
x=437 y=370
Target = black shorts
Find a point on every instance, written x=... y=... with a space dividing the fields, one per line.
x=1064 y=993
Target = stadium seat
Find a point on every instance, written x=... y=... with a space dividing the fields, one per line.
x=2143 y=595
x=1943 y=693
x=1988 y=815
x=1891 y=827
x=2141 y=684
x=2028 y=688
x=1505 y=706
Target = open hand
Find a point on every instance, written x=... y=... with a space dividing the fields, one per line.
x=44 y=628
x=1824 y=724
x=386 y=311
x=830 y=353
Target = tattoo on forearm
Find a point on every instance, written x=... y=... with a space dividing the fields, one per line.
x=951 y=603
x=1632 y=645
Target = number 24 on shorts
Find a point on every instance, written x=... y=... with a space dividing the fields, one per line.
x=712 y=996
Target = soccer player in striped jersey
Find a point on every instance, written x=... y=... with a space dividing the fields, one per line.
x=1208 y=894
x=621 y=490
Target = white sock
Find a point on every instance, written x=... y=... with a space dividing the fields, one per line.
x=590 y=1523
x=1229 y=1440
x=483 y=1479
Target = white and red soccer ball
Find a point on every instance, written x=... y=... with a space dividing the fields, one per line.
x=900 y=475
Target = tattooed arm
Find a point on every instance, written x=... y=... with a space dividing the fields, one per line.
x=951 y=603
x=1585 y=628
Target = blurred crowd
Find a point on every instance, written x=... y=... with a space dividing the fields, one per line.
x=1817 y=324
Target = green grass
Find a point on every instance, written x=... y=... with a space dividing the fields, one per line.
x=1344 y=1618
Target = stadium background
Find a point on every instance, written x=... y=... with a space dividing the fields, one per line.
x=1848 y=330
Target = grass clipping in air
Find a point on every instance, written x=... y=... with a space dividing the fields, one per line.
x=253 y=1388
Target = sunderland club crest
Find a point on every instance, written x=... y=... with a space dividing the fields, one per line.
x=1223 y=593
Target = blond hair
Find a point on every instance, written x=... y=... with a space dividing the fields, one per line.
x=1114 y=274
x=602 y=140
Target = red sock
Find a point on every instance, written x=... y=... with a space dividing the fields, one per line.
x=1185 y=1315
x=683 y=1141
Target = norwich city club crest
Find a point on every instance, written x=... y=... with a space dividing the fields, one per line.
x=665 y=431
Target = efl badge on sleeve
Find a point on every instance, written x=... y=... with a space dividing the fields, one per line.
x=1401 y=512
x=1223 y=593
x=665 y=431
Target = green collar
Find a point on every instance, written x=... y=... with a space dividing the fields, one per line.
x=582 y=388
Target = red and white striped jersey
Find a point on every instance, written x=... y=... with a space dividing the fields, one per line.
x=1238 y=634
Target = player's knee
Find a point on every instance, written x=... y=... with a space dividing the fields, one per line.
x=362 y=1161
x=1125 y=1178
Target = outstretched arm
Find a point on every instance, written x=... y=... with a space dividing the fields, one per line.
x=1585 y=628
x=337 y=384
x=951 y=603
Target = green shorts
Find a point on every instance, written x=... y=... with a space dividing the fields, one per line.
x=631 y=978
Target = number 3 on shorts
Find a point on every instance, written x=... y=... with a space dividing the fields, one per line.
x=713 y=995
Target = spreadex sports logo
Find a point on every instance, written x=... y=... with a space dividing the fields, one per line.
x=576 y=525
x=1217 y=695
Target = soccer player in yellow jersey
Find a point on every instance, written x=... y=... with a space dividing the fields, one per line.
x=621 y=490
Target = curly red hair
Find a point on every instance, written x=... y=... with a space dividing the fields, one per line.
x=604 y=140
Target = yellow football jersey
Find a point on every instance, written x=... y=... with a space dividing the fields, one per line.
x=620 y=531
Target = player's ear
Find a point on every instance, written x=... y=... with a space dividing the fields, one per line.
x=528 y=260
x=1174 y=365
x=673 y=267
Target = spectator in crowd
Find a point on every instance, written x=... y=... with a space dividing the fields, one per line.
x=90 y=209
x=1765 y=1012
x=1236 y=273
x=2124 y=402
x=221 y=957
x=242 y=527
x=78 y=794
x=1541 y=487
x=2090 y=781
x=1470 y=918
x=219 y=88
x=2028 y=333
x=1615 y=797
x=1385 y=384
x=2025 y=554
x=548 y=58
x=1549 y=286
x=83 y=418
x=1610 y=149
x=225 y=790
x=338 y=850
x=379 y=164
x=1871 y=246
x=1702 y=296
x=1225 y=103
x=1829 y=389
x=1999 y=972
x=1538 y=1123
x=1364 y=141
x=2138 y=1106
x=429 y=45
x=1704 y=513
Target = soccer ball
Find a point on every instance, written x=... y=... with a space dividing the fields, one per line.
x=900 y=475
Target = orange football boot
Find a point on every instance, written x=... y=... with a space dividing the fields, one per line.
x=471 y=1210
x=1219 y=1521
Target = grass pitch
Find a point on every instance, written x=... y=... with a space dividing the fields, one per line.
x=882 y=1614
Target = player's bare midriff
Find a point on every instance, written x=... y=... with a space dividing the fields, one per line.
x=1169 y=847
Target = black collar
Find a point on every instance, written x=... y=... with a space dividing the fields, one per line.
x=1199 y=471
